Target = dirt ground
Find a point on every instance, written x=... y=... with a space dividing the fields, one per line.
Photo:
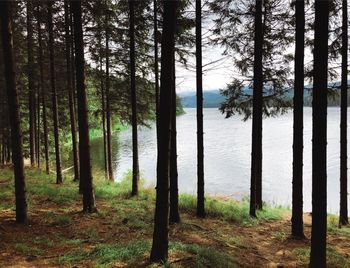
x=58 y=234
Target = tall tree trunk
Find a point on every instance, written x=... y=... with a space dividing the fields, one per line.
x=200 y=142
x=84 y=140
x=108 y=105
x=174 y=215
x=54 y=93
x=343 y=215
x=73 y=64
x=103 y=110
x=9 y=147
x=257 y=110
x=104 y=130
x=43 y=98
x=38 y=134
x=31 y=86
x=298 y=122
x=160 y=243
x=73 y=75
x=71 y=93
x=156 y=60
x=319 y=137
x=135 y=152
x=13 y=108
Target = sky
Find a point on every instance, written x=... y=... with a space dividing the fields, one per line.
x=218 y=70
x=215 y=76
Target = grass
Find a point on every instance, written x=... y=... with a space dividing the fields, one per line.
x=204 y=256
x=90 y=240
x=230 y=210
x=334 y=258
x=333 y=226
x=28 y=250
x=109 y=254
x=57 y=219
x=280 y=236
x=44 y=241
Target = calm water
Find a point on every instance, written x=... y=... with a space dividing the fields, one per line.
x=227 y=156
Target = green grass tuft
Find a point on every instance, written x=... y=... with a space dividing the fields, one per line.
x=334 y=258
x=230 y=210
x=107 y=254
x=205 y=256
x=28 y=250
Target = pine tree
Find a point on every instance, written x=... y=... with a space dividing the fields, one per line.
x=297 y=206
x=54 y=93
x=84 y=140
x=200 y=143
x=135 y=154
x=42 y=92
x=13 y=108
x=160 y=243
x=343 y=214
x=319 y=137
x=31 y=86
x=71 y=91
x=108 y=100
x=174 y=215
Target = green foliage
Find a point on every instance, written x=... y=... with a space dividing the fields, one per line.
x=234 y=30
x=205 y=256
x=179 y=107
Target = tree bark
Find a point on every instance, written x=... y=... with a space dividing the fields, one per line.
x=71 y=93
x=156 y=59
x=343 y=215
x=160 y=243
x=42 y=92
x=103 y=111
x=298 y=122
x=319 y=137
x=84 y=140
x=31 y=86
x=174 y=215
x=108 y=105
x=38 y=133
x=13 y=106
x=135 y=152
x=257 y=111
x=54 y=94
x=200 y=142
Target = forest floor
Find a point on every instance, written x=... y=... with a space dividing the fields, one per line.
x=120 y=234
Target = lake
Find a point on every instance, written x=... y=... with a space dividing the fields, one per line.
x=227 y=147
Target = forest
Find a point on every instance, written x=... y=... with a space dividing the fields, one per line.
x=74 y=71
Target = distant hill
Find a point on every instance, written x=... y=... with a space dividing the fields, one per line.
x=213 y=98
